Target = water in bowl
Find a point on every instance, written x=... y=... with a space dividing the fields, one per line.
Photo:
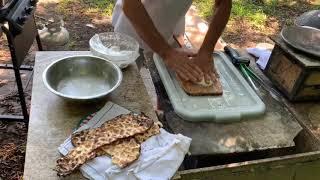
x=83 y=86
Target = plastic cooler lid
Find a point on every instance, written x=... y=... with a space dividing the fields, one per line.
x=238 y=101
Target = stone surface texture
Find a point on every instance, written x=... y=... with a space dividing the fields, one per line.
x=53 y=119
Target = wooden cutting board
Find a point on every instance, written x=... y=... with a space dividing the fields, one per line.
x=198 y=90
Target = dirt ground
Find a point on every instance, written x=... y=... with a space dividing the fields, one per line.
x=81 y=26
x=82 y=23
x=241 y=33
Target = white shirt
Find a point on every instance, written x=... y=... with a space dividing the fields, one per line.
x=166 y=15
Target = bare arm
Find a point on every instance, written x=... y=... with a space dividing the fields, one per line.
x=222 y=10
x=176 y=60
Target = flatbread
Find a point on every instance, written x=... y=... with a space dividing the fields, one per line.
x=79 y=137
x=193 y=89
x=123 y=151
x=123 y=126
x=154 y=130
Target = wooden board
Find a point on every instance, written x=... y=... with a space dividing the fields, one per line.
x=283 y=70
x=198 y=90
x=294 y=73
x=304 y=166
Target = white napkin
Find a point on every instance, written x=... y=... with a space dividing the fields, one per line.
x=263 y=55
x=160 y=157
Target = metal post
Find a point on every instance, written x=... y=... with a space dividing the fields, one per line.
x=21 y=94
x=38 y=37
x=39 y=42
x=17 y=73
x=40 y=48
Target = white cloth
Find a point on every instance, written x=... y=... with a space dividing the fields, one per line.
x=263 y=55
x=160 y=157
x=166 y=15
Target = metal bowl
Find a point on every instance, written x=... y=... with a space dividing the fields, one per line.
x=82 y=77
x=310 y=18
x=303 y=38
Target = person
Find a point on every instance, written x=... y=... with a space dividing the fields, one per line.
x=154 y=22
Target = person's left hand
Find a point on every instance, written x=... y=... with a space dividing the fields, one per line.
x=206 y=63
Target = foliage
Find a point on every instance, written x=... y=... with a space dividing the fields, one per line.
x=257 y=12
x=104 y=7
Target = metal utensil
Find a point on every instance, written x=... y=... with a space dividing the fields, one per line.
x=248 y=73
x=82 y=77
x=310 y=18
x=241 y=62
x=306 y=39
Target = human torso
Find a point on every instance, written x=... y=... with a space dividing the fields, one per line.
x=165 y=14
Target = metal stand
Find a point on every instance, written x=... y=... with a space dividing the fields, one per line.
x=16 y=66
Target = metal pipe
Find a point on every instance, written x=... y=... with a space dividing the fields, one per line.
x=17 y=73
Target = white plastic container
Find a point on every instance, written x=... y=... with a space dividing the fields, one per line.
x=116 y=47
x=238 y=101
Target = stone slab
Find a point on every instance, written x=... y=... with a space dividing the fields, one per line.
x=52 y=119
x=276 y=129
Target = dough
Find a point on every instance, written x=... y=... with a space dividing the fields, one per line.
x=204 y=83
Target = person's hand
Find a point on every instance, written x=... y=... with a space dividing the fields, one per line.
x=206 y=64
x=179 y=60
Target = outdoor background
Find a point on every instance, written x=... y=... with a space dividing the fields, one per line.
x=251 y=22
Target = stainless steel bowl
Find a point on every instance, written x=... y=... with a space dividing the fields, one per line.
x=310 y=18
x=82 y=77
x=303 y=38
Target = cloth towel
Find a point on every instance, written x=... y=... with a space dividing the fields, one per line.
x=263 y=55
x=160 y=157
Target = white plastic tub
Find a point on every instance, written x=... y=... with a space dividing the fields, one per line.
x=116 y=47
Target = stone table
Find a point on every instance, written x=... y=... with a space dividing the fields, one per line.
x=274 y=130
x=52 y=119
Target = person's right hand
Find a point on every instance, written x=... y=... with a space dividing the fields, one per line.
x=179 y=60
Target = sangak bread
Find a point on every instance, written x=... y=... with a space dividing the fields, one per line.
x=198 y=90
x=79 y=137
x=123 y=151
x=155 y=129
x=122 y=126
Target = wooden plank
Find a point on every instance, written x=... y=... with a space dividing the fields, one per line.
x=313 y=79
x=305 y=60
x=198 y=90
x=296 y=75
x=283 y=71
x=302 y=166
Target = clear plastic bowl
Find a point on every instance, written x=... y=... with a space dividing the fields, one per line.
x=116 y=47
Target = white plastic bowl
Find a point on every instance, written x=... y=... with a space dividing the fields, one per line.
x=119 y=48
